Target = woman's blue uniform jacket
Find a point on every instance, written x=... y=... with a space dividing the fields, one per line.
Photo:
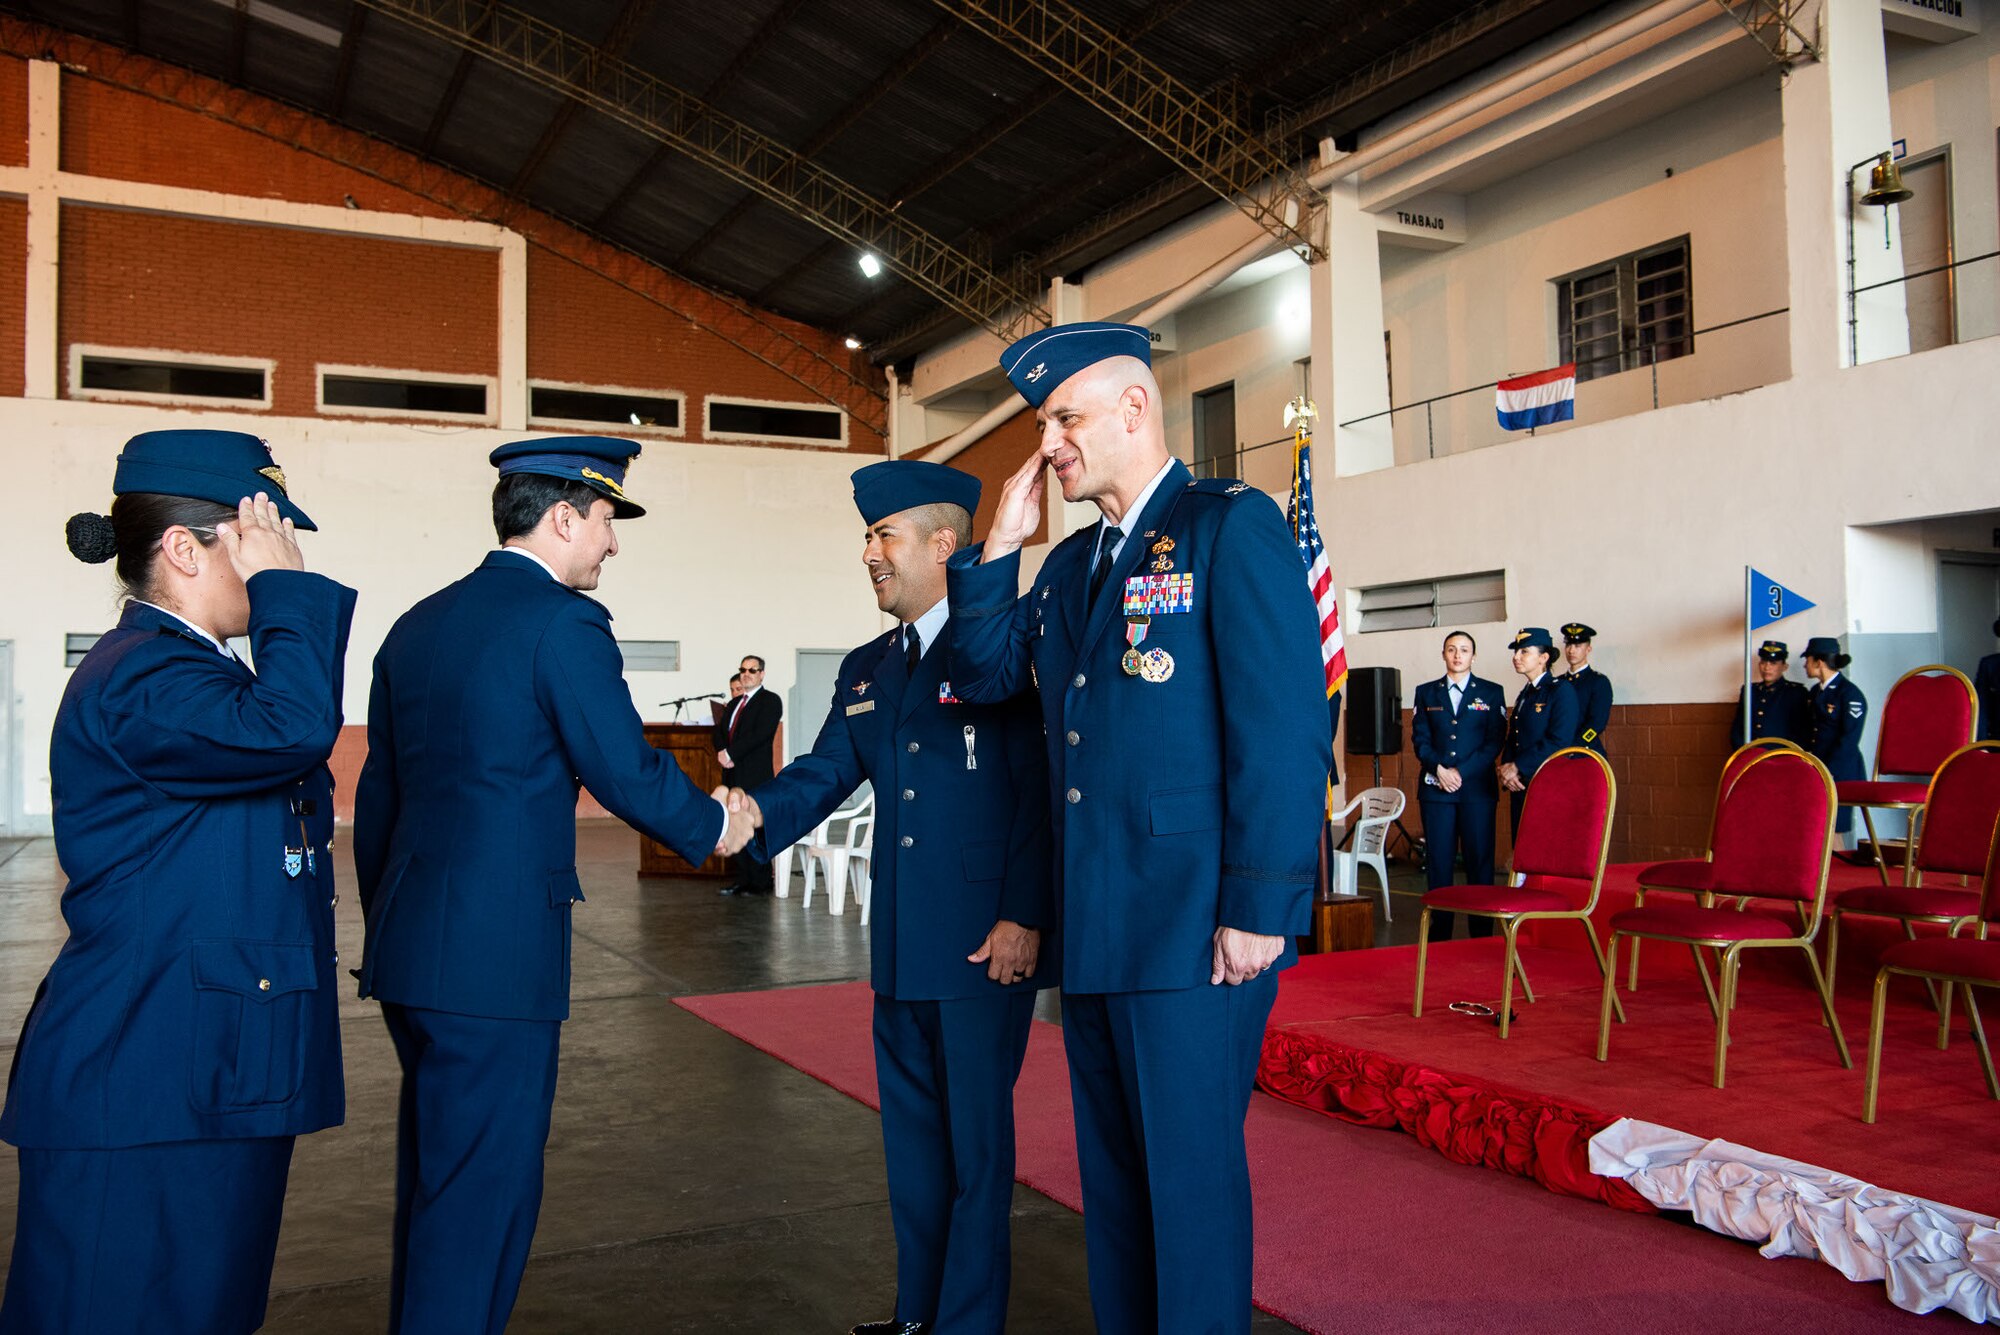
x=195 y=998
x=1839 y=713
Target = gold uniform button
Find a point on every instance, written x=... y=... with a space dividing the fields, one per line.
x=263 y=985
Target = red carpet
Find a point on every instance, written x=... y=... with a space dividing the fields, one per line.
x=1364 y=1232
x=1787 y=1093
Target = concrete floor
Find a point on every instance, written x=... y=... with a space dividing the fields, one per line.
x=694 y=1183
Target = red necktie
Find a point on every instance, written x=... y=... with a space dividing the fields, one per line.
x=735 y=714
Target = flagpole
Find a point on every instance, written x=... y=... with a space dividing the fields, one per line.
x=1749 y=686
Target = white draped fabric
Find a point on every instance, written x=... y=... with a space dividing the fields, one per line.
x=1928 y=1255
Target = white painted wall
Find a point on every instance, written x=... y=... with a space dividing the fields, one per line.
x=743 y=550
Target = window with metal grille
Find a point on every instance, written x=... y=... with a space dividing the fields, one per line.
x=1631 y=312
x=1451 y=600
x=369 y=391
x=75 y=646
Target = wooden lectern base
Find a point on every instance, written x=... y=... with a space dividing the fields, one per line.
x=694 y=748
x=1342 y=922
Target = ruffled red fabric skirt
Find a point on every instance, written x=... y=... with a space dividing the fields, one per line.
x=1464 y=1118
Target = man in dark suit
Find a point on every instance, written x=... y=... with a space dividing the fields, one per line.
x=1544 y=720
x=1593 y=688
x=1456 y=728
x=1986 y=681
x=743 y=743
x=1780 y=707
x=1187 y=808
x=491 y=699
x=962 y=901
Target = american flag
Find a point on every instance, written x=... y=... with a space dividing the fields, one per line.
x=1319 y=574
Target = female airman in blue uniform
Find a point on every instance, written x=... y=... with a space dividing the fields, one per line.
x=1839 y=712
x=188 y=1030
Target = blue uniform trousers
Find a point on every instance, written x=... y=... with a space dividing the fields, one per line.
x=1161 y=1084
x=1450 y=828
x=946 y=1072
x=471 y=1127
x=148 y=1238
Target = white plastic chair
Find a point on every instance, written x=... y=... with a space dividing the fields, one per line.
x=1380 y=807
x=861 y=863
x=800 y=853
x=822 y=851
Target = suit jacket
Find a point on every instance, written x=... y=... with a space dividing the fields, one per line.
x=956 y=849
x=1839 y=713
x=1468 y=741
x=1186 y=800
x=750 y=746
x=1593 y=705
x=1544 y=721
x=493 y=698
x=196 y=997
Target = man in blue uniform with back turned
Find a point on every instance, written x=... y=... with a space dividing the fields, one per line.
x=492 y=698
x=1174 y=650
x=1456 y=730
x=1543 y=721
x=1593 y=688
x=962 y=901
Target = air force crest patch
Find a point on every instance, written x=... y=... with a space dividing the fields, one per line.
x=1041 y=369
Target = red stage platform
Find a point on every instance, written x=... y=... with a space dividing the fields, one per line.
x=1342 y=1041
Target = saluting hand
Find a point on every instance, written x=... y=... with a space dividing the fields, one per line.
x=1008 y=952
x=260 y=539
x=1241 y=956
x=1019 y=512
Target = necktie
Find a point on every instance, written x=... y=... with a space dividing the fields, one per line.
x=736 y=712
x=913 y=648
x=1102 y=571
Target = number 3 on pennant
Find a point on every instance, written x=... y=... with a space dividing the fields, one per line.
x=1777 y=602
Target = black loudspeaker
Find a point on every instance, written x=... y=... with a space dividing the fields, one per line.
x=1374 y=711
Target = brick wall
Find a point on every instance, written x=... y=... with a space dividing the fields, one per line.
x=1666 y=759
x=13 y=292
x=141 y=280
x=993 y=459
x=13 y=111
x=135 y=280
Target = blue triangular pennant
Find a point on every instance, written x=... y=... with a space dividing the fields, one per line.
x=1771 y=601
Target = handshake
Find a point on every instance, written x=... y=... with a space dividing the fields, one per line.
x=744 y=819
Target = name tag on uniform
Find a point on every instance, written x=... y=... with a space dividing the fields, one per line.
x=862 y=708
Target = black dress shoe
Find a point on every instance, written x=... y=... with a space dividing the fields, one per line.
x=735 y=889
x=891 y=1328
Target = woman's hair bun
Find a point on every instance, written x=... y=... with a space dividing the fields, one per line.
x=91 y=537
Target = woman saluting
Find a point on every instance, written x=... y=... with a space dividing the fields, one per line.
x=188 y=1029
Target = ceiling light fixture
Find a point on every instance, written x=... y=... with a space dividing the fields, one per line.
x=870 y=266
x=853 y=343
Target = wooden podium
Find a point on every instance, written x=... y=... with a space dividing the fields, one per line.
x=693 y=747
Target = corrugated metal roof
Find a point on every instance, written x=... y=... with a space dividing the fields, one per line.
x=895 y=97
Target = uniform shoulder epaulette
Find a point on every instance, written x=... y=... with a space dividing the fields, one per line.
x=1218 y=486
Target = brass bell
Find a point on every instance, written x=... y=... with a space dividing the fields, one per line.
x=1885 y=183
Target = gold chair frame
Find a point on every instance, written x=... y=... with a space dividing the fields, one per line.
x=1731 y=950
x=1510 y=923
x=1911 y=877
x=1875 y=775
x=1706 y=900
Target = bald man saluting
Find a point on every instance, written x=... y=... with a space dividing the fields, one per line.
x=1175 y=651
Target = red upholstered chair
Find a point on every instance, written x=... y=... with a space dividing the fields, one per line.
x=1689 y=876
x=1560 y=853
x=1773 y=838
x=1931 y=712
x=1960 y=962
x=1954 y=827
